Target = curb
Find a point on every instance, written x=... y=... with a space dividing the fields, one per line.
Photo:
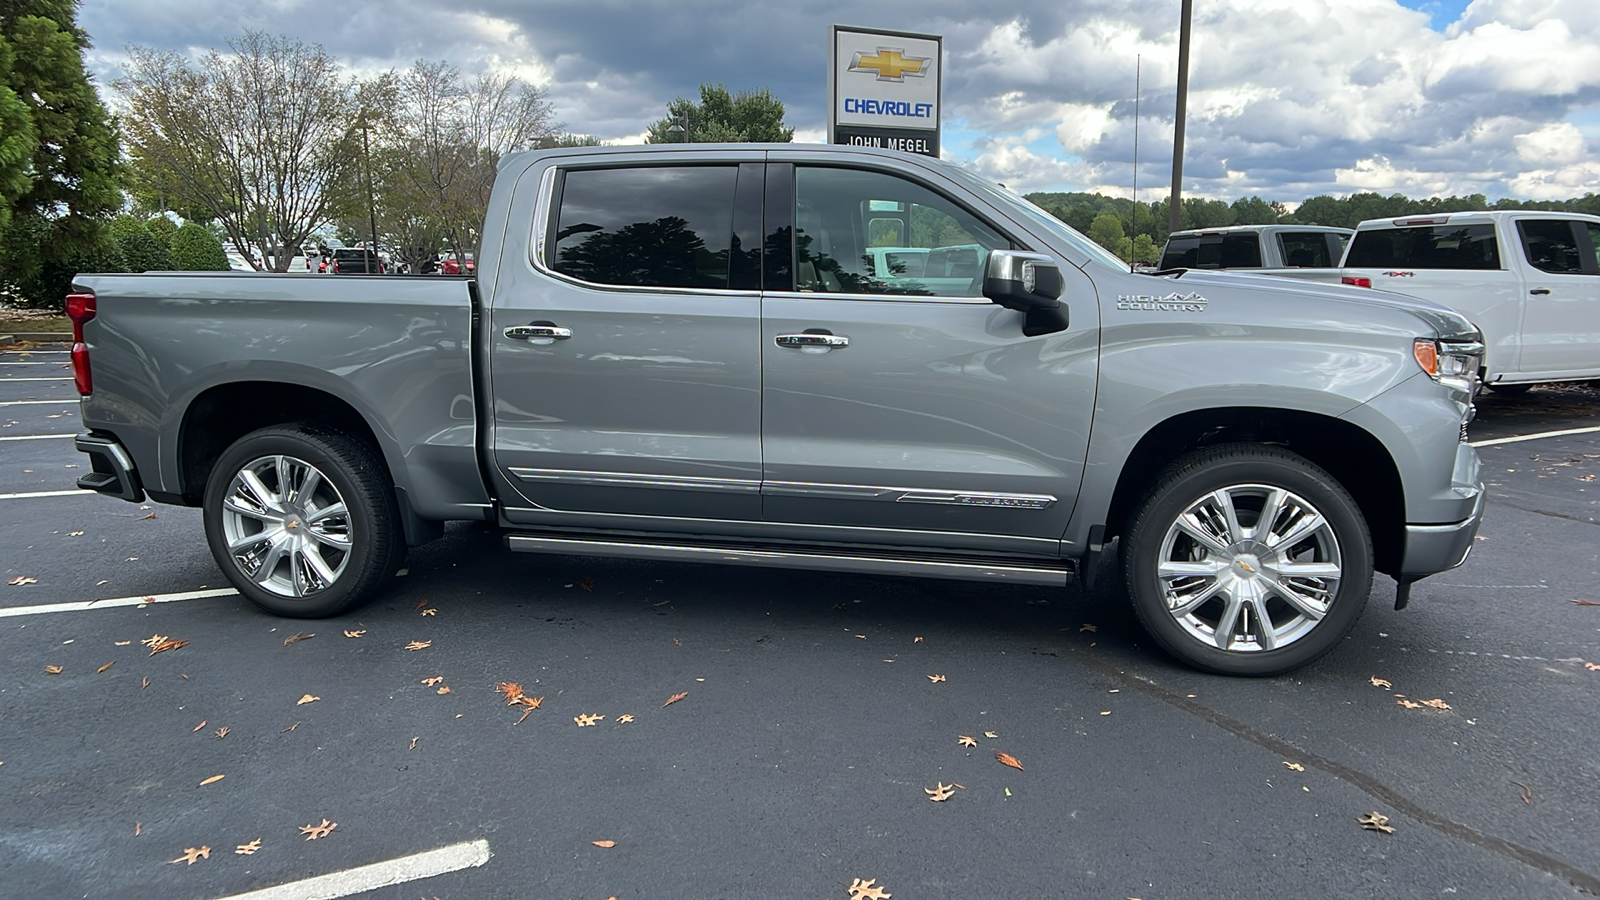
x=43 y=337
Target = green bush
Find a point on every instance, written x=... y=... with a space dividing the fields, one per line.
x=162 y=229
x=140 y=250
x=37 y=279
x=194 y=249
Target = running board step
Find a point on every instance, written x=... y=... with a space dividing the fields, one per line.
x=832 y=561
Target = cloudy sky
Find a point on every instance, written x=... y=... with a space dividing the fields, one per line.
x=1288 y=98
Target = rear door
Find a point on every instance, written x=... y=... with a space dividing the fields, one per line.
x=1561 y=322
x=625 y=350
x=899 y=402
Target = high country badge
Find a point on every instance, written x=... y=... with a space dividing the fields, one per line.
x=1173 y=302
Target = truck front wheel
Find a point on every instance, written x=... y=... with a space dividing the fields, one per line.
x=303 y=521
x=1247 y=559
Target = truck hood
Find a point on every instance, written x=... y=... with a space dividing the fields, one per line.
x=1446 y=322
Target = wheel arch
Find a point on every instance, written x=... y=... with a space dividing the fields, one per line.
x=1353 y=456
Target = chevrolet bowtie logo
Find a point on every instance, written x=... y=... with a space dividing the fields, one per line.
x=890 y=65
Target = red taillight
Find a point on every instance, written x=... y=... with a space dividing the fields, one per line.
x=1356 y=280
x=80 y=309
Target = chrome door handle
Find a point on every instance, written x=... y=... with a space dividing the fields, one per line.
x=538 y=333
x=811 y=341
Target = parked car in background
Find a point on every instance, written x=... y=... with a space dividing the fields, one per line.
x=356 y=261
x=1256 y=247
x=1529 y=280
x=450 y=263
x=626 y=382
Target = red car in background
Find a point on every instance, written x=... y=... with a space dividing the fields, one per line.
x=449 y=265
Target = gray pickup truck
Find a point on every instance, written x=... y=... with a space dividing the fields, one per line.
x=692 y=353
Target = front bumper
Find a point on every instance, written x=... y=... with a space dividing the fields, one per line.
x=113 y=470
x=1431 y=549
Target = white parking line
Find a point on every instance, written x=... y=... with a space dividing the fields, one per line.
x=377 y=875
x=113 y=603
x=7 y=362
x=34 y=402
x=1534 y=437
x=32 y=494
x=35 y=437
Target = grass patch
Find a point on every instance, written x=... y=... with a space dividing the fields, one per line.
x=14 y=320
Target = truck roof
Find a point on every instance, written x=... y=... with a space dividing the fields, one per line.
x=1471 y=218
x=1235 y=229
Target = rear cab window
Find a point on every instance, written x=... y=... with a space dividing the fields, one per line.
x=653 y=226
x=1306 y=250
x=1213 y=251
x=1557 y=246
x=1425 y=247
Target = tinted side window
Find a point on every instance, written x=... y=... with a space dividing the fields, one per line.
x=663 y=226
x=1213 y=251
x=869 y=233
x=1551 y=245
x=1305 y=249
x=1431 y=247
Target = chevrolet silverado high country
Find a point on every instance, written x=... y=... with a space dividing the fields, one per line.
x=692 y=353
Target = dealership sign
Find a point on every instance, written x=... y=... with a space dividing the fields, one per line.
x=884 y=88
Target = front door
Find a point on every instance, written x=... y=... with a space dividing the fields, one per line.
x=625 y=358
x=1561 y=318
x=898 y=399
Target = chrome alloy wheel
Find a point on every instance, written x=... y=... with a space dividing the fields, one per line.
x=1249 y=567
x=286 y=526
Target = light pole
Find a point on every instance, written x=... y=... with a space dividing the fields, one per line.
x=1173 y=208
x=680 y=127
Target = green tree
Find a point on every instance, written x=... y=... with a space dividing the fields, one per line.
x=58 y=170
x=1106 y=230
x=1145 y=251
x=720 y=117
x=196 y=249
x=1253 y=211
x=141 y=251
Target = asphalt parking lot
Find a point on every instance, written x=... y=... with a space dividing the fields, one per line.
x=818 y=711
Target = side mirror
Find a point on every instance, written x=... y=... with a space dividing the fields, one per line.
x=1029 y=283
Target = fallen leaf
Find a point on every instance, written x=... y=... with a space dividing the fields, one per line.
x=1293 y=766
x=917 y=639
x=309 y=698
x=430 y=682
x=604 y=844
x=624 y=719
x=190 y=854
x=966 y=741
x=312 y=832
x=444 y=690
x=297 y=637
x=1375 y=681
x=511 y=689
x=151 y=516
x=413 y=744
x=1593 y=667
x=674 y=699
x=138 y=828
x=1436 y=703
x=864 y=890
x=940 y=792
x=144 y=682
x=290 y=728
x=419 y=645
x=1409 y=704
x=990 y=734
x=586 y=583
x=74 y=534
x=153 y=640
x=430 y=611
x=420 y=604
x=1007 y=759
x=1376 y=821
x=200 y=726
x=1087 y=627
x=52 y=670
x=248 y=849
x=105 y=667
x=587 y=719
x=122 y=643
x=936 y=678
x=23 y=579
x=1579 y=602
x=223 y=731
x=167 y=644
x=355 y=634
x=1527 y=793
x=212 y=780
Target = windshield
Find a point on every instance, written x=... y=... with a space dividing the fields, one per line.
x=1028 y=211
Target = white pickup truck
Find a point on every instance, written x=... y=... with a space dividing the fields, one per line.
x=1529 y=280
x=1254 y=247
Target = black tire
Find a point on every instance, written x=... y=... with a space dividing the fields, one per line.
x=349 y=471
x=1246 y=473
x=1511 y=390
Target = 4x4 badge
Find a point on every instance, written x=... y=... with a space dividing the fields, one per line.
x=1173 y=302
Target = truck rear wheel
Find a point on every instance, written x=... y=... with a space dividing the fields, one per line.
x=302 y=521
x=1246 y=559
